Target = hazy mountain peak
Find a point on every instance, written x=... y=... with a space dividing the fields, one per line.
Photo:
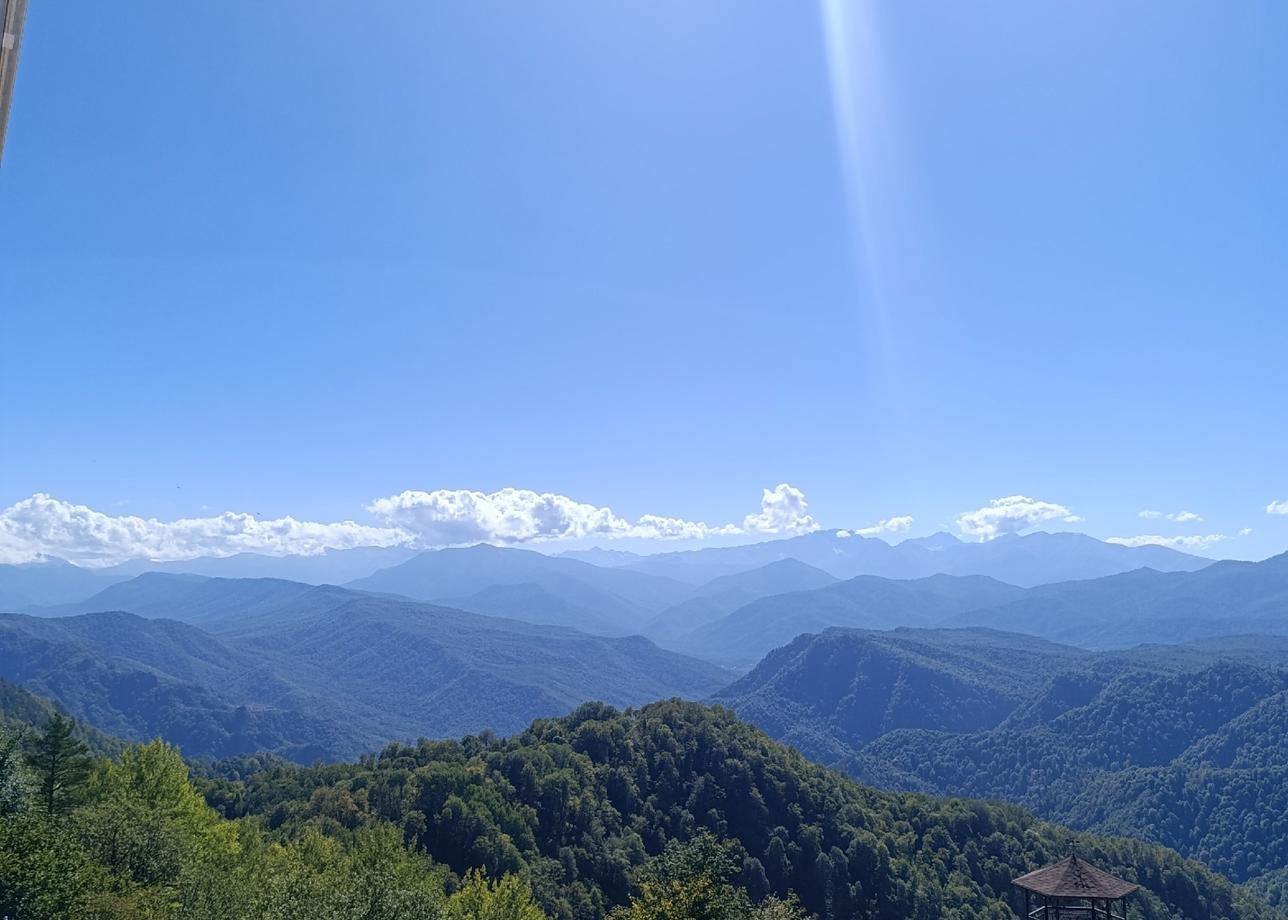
x=936 y=542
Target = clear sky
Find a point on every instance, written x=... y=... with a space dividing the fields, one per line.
x=290 y=258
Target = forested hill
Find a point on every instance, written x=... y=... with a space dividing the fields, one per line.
x=22 y=711
x=1183 y=745
x=577 y=804
x=321 y=672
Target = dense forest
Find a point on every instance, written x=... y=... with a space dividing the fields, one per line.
x=674 y=810
x=576 y=805
x=1195 y=759
x=1182 y=745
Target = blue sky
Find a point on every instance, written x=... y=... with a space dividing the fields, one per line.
x=290 y=258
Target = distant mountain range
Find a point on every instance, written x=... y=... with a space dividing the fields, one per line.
x=967 y=674
x=1029 y=560
x=222 y=666
x=721 y=596
x=619 y=598
x=1116 y=611
x=1183 y=745
x=49 y=581
x=1023 y=560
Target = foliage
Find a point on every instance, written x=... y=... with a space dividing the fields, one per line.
x=1273 y=887
x=506 y=899
x=16 y=782
x=60 y=763
x=1186 y=746
x=135 y=840
x=692 y=881
x=578 y=805
x=1193 y=758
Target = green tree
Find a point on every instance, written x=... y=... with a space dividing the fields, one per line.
x=510 y=898
x=692 y=881
x=15 y=780
x=44 y=874
x=60 y=763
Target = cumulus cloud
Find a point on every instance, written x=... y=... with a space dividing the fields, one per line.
x=1245 y=531
x=890 y=525
x=1280 y=507
x=783 y=509
x=1012 y=514
x=42 y=525
x=1178 y=517
x=1190 y=543
x=455 y=516
x=45 y=526
x=447 y=517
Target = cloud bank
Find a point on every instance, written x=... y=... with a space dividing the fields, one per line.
x=46 y=526
x=455 y=516
x=1183 y=543
x=1012 y=514
x=1280 y=507
x=42 y=525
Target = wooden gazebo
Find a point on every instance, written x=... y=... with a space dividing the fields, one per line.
x=1074 y=889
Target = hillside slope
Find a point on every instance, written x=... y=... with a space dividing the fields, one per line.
x=829 y=694
x=721 y=596
x=322 y=671
x=625 y=598
x=865 y=602
x=575 y=803
x=1185 y=745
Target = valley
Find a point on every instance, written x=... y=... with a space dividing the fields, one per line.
x=1059 y=697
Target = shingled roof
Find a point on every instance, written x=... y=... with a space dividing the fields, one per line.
x=1074 y=878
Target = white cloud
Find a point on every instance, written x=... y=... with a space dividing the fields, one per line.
x=783 y=509
x=1178 y=517
x=1191 y=543
x=1012 y=514
x=889 y=525
x=1280 y=507
x=43 y=525
x=1245 y=531
x=453 y=516
x=449 y=517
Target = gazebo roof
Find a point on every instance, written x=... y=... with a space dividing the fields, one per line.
x=1074 y=878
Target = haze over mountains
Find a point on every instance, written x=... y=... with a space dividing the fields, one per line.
x=1116 y=611
x=265 y=664
x=1027 y=560
x=966 y=674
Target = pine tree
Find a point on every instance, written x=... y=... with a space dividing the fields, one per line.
x=15 y=781
x=60 y=763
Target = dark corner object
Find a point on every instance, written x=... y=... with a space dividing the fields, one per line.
x=12 y=13
x=1074 y=889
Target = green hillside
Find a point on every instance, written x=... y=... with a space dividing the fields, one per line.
x=1184 y=745
x=321 y=672
x=575 y=804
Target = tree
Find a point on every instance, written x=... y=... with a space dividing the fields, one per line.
x=692 y=881
x=15 y=781
x=61 y=764
x=510 y=898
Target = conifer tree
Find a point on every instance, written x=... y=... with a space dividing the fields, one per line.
x=61 y=765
